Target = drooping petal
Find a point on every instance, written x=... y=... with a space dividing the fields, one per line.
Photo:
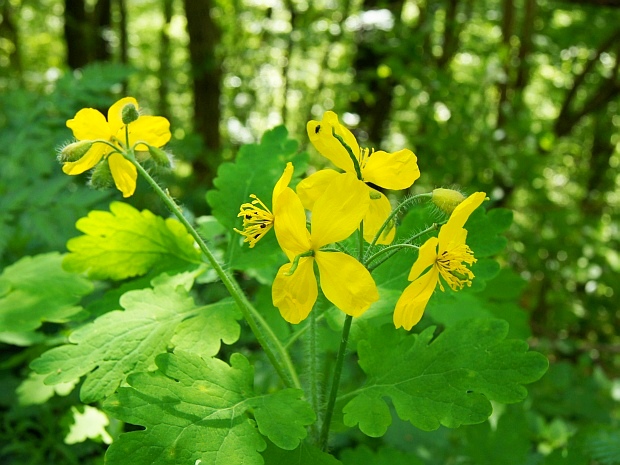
x=90 y=159
x=339 y=210
x=295 y=295
x=311 y=188
x=124 y=173
x=154 y=130
x=90 y=124
x=346 y=283
x=321 y=136
x=459 y=216
x=290 y=224
x=426 y=257
x=410 y=307
x=379 y=210
x=282 y=183
x=395 y=171
x=115 y=114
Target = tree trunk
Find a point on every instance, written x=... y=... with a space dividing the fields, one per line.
x=206 y=72
x=164 y=61
x=9 y=31
x=375 y=103
x=102 y=23
x=76 y=34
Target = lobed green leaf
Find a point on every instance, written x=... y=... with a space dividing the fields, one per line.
x=195 y=410
x=448 y=381
x=121 y=342
x=125 y=242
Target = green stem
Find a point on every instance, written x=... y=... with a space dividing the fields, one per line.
x=393 y=249
x=274 y=350
x=313 y=383
x=335 y=383
x=394 y=212
x=333 y=392
x=354 y=159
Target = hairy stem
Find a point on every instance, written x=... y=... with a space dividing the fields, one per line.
x=274 y=350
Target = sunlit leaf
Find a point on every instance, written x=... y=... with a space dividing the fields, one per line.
x=121 y=342
x=125 y=242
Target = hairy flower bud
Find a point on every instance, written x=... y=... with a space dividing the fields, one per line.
x=129 y=113
x=101 y=177
x=159 y=156
x=74 y=151
x=447 y=199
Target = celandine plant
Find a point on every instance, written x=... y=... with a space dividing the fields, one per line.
x=152 y=356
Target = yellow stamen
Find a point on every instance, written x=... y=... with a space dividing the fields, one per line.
x=451 y=266
x=257 y=220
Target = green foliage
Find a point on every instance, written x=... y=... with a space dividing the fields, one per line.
x=256 y=169
x=121 y=342
x=449 y=380
x=196 y=409
x=126 y=243
x=37 y=289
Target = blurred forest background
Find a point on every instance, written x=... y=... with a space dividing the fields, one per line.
x=518 y=98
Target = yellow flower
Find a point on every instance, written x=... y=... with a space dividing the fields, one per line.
x=344 y=280
x=257 y=218
x=446 y=256
x=90 y=124
x=394 y=171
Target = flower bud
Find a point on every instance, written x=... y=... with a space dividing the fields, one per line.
x=74 y=151
x=101 y=177
x=129 y=113
x=447 y=199
x=159 y=156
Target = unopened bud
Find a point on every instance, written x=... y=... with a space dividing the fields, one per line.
x=447 y=199
x=101 y=177
x=159 y=156
x=129 y=113
x=75 y=151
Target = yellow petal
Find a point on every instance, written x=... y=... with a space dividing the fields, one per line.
x=427 y=255
x=282 y=183
x=446 y=243
x=115 y=112
x=410 y=307
x=395 y=171
x=321 y=136
x=90 y=124
x=290 y=224
x=295 y=295
x=346 y=283
x=339 y=210
x=311 y=188
x=459 y=216
x=90 y=159
x=124 y=173
x=154 y=130
x=378 y=211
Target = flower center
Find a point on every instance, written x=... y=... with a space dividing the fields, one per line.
x=257 y=220
x=451 y=265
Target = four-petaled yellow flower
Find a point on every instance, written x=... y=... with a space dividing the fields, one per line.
x=393 y=171
x=446 y=256
x=89 y=125
x=257 y=218
x=344 y=280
